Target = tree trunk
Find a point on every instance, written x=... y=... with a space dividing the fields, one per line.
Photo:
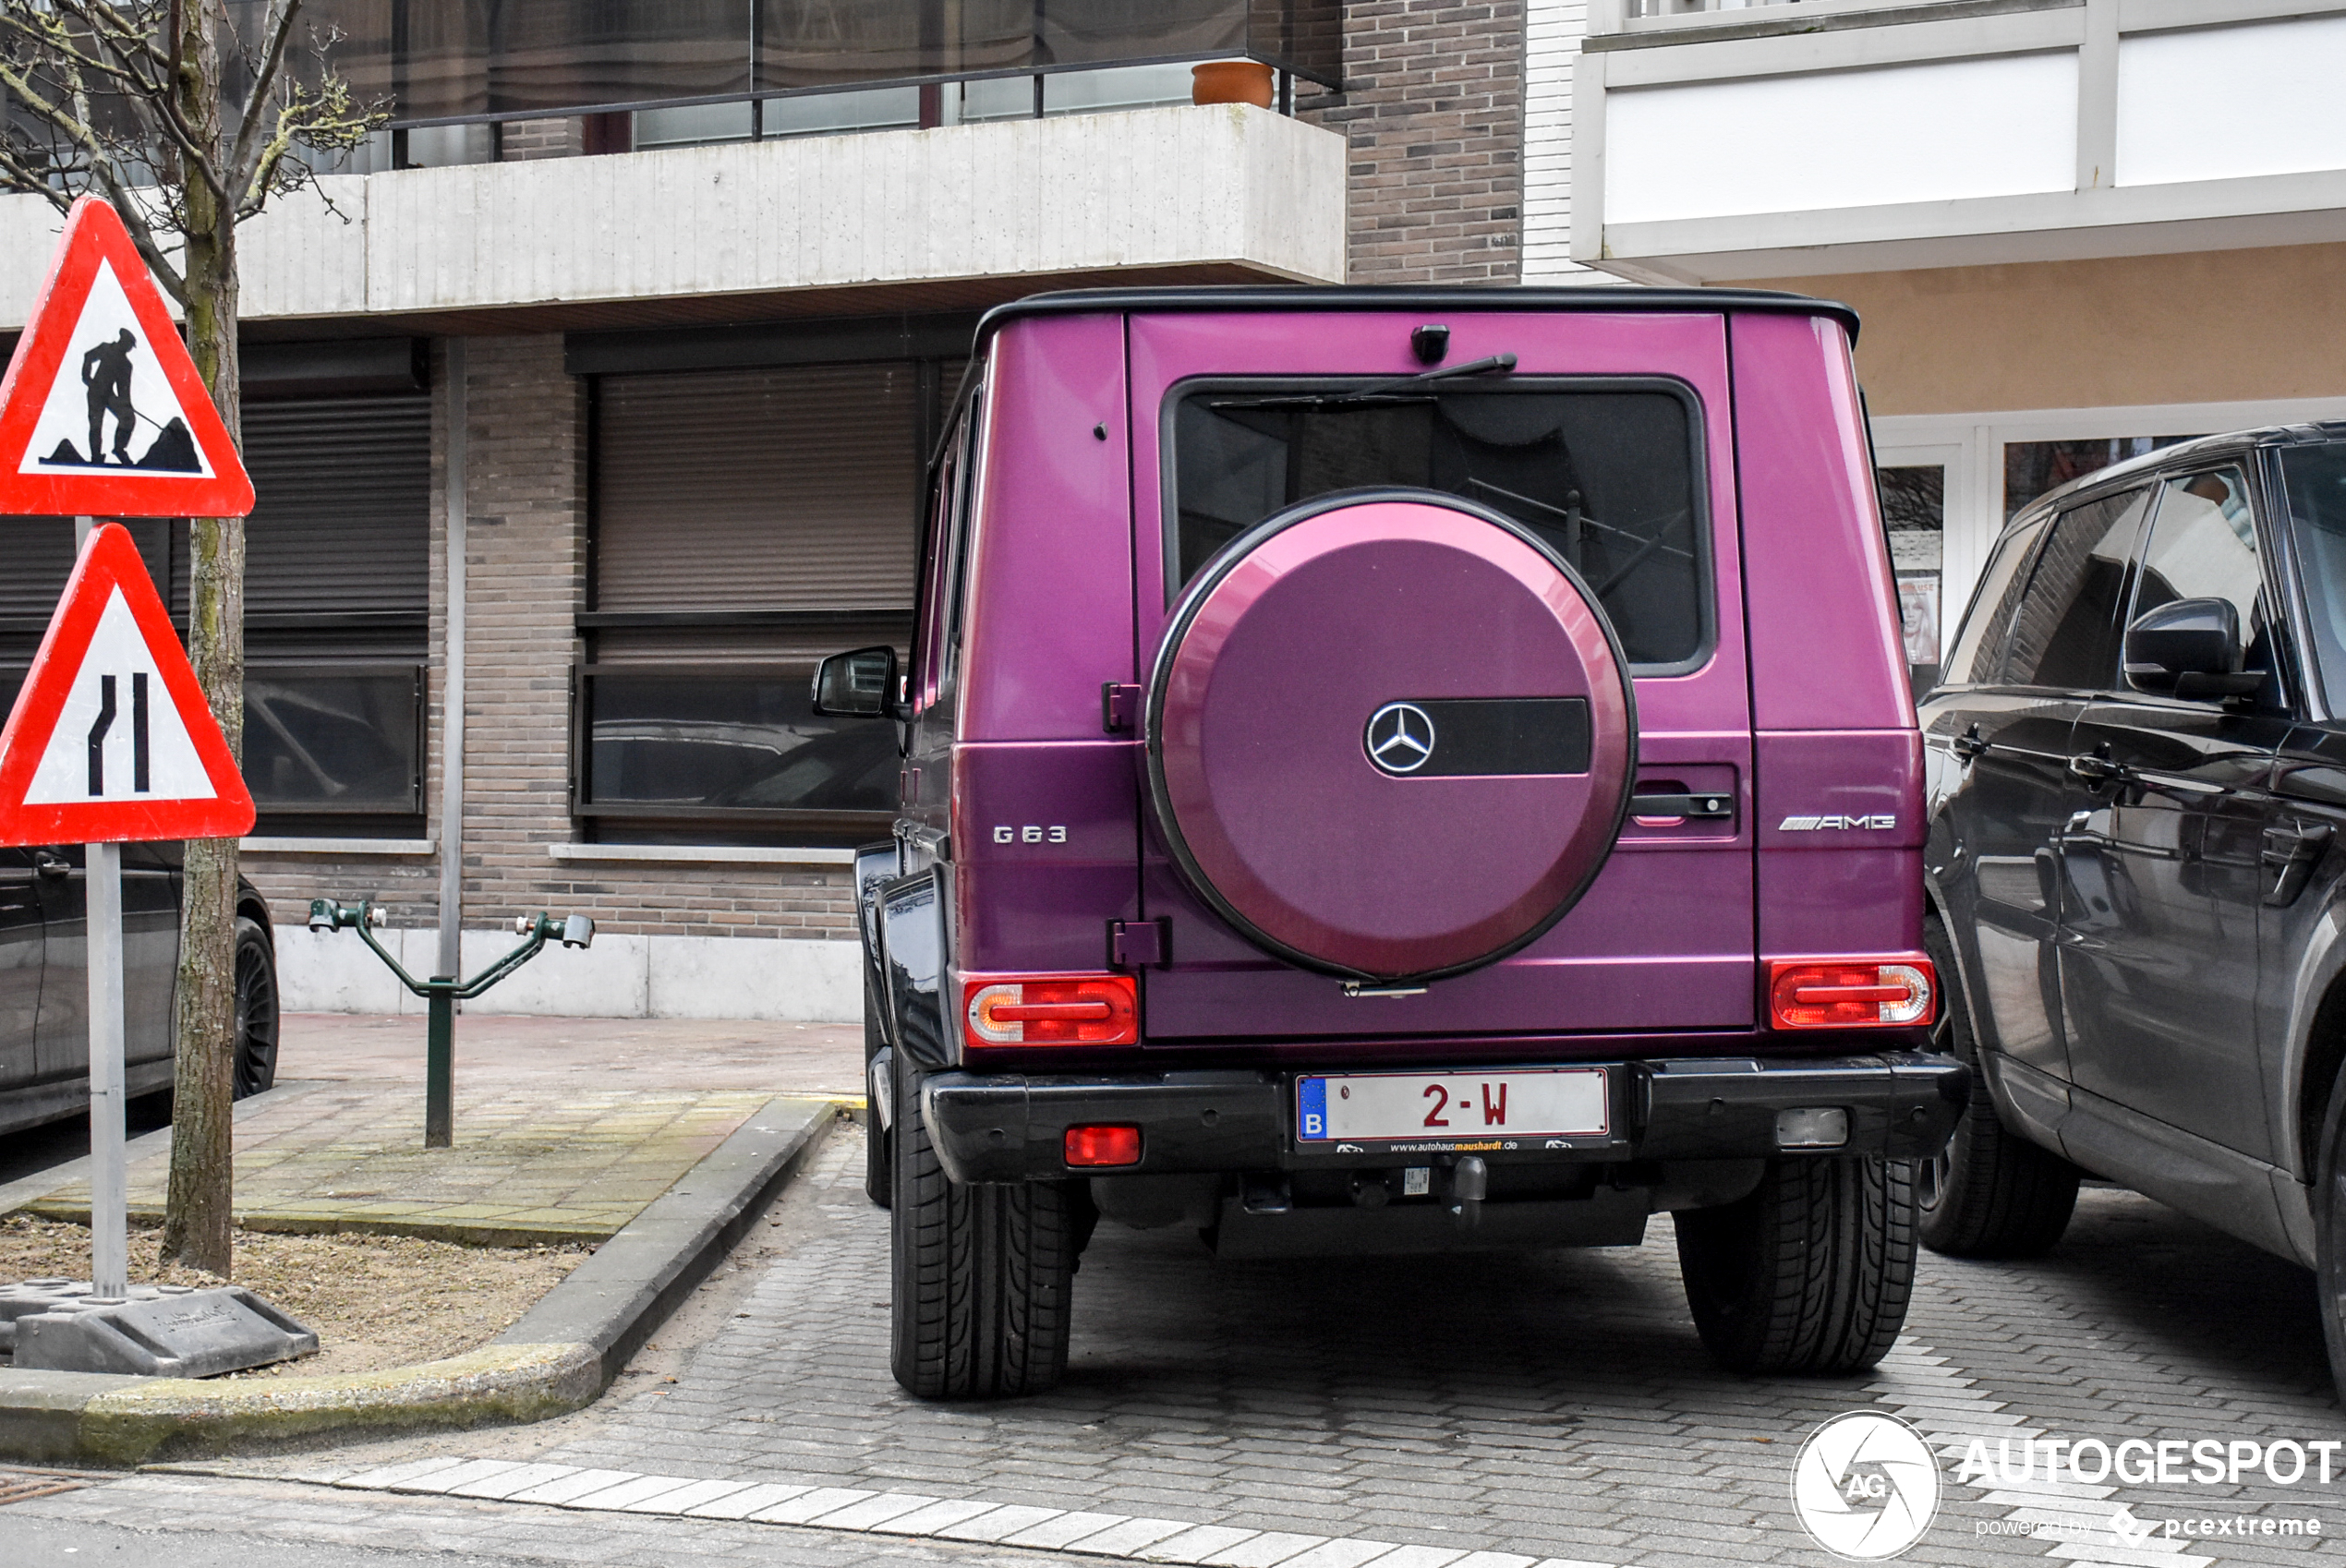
x=196 y=1219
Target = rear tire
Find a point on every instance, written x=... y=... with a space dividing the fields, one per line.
x=256 y=1023
x=1989 y=1193
x=982 y=1275
x=1809 y=1273
x=876 y=1161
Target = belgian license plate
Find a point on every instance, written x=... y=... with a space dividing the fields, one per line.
x=1420 y=1106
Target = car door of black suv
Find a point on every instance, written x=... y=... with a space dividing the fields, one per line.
x=2160 y=853
x=2011 y=736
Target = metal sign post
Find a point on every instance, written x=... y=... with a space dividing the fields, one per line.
x=109 y=1221
x=101 y=955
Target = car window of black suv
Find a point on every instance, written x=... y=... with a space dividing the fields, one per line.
x=2065 y=632
x=2203 y=545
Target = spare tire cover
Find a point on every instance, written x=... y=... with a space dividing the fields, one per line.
x=1390 y=735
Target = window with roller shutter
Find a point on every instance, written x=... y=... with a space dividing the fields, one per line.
x=746 y=522
x=337 y=609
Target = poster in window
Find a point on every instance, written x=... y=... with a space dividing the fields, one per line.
x=1918 y=614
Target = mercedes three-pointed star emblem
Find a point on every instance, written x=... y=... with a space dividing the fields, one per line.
x=1399 y=738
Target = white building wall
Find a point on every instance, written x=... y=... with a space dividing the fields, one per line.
x=1945 y=130
x=1081 y=193
x=1553 y=30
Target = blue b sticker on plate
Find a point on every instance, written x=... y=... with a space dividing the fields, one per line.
x=1312 y=1107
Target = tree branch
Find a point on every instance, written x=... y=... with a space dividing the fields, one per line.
x=244 y=158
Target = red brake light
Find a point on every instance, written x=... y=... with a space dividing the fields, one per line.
x=1851 y=993
x=1081 y=1011
x=1103 y=1145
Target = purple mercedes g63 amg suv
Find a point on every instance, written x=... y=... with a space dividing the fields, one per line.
x=1395 y=771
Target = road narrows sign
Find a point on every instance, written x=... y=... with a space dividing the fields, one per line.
x=110 y=741
x=102 y=413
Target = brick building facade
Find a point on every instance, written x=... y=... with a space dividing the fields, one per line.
x=1432 y=112
x=591 y=287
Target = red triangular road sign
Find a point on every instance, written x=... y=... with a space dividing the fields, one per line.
x=103 y=414
x=110 y=741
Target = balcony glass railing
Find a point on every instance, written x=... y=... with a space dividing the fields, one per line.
x=449 y=61
x=1605 y=15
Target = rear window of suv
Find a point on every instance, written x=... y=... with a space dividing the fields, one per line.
x=1608 y=475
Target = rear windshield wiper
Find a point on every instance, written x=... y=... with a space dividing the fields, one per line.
x=1404 y=389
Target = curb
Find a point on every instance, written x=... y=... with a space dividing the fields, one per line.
x=561 y=1354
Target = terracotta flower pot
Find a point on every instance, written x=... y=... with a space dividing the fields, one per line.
x=1231 y=81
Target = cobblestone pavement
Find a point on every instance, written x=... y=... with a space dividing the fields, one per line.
x=1554 y=1407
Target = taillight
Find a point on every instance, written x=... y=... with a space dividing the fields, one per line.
x=1086 y=1010
x=1103 y=1145
x=1851 y=993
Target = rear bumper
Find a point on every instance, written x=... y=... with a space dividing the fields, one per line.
x=1011 y=1127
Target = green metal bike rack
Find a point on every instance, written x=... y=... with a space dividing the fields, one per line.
x=442 y=992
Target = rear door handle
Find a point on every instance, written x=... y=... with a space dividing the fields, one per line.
x=51 y=864
x=2291 y=853
x=2094 y=767
x=1692 y=805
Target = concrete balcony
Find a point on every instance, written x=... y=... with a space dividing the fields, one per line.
x=1847 y=135
x=863 y=224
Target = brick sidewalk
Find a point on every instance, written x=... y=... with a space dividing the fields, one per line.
x=566 y=1129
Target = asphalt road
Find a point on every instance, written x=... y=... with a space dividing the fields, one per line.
x=37 y=1149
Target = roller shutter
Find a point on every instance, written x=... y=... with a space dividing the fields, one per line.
x=343 y=521
x=791 y=488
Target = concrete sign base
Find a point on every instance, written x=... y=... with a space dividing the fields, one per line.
x=168 y=1331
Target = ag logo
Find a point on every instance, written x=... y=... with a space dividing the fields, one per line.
x=1864 y=1486
x=1399 y=738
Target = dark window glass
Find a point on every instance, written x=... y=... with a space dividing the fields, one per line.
x=2065 y=632
x=445 y=59
x=335 y=739
x=2203 y=546
x=734 y=739
x=1606 y=478
x=2316 y=477
x=1977 y=653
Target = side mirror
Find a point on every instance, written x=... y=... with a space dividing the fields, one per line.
x=2191 y=649
x=855 y=685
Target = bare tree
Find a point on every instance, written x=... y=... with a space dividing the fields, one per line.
x=186 y=116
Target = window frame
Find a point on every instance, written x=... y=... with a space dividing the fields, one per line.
x=724 y=826
x=2151 y=483
x=939 y=614
x=2268 y=505
x=1705 y=537
x=419 y=670
x=584 y=670
x=2022 y=568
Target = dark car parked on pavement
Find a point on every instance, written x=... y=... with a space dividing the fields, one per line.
x=44 y=990
x=2138 y=767
x=1401 y=771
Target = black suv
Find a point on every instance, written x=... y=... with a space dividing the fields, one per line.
x=45 y=982
x=2138 y=784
